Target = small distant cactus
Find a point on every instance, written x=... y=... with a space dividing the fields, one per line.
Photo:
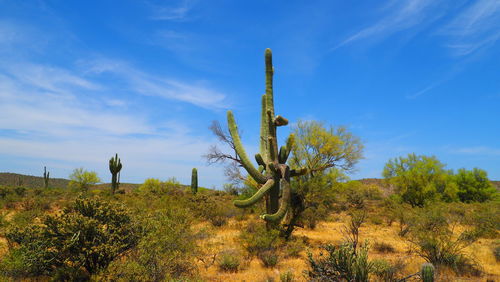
x=45 y=177
x=194 y=181
x=114 y=167
x=427 y=272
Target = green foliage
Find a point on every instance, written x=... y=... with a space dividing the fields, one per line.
x=20 y=191
x=474 y=185
x=165 y=252
x=342 y=263
x=434 y=238
x=383 y=247
x=82 y=179
x=420 y=179
x=387 y=271
x=268 y=258
x=158 y=187
x=214 y=207
x=256 y=239
x=287 y=276
x=89 y=234
x=115 y=166
x=229 y=260
x=194 y=181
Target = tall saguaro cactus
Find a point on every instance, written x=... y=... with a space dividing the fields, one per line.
x=194 y=181
x=45 y=177
x=273 y=174
x=114 y=167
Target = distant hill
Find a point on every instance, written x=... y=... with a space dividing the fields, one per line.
x=29 y=181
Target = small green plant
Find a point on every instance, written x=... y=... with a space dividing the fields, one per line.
x=229 y=261
x=269 y=258
x=287 y=276
x=342 y=263
x=387 y=271
x=427 y=272
x=383 y=247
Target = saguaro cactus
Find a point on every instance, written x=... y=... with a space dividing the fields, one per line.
x=273 y=174
x=45 y=178
x=427 y=272
x=114 y=167
x=194 y=181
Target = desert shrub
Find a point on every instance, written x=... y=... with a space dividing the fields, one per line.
x=341 y=263
x=217 y=209
x=420 y=179
x=287 y=276
x=383 y=247
x=387 y=271
x=20 y=191
x=351 y=229
x=474 y=185
x=402 y=213
x=81 y=179
x=293 y=246
x=434 y=239
x=355 y=193
x=4 y=191
x=164 y=252
x=269 y=258
x=229 y=260
x=88 y=235
x=484 y=218
x=257 y=239
x=496 y=253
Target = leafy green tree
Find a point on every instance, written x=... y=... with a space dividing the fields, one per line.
x=419 y=179
x=83 y=179
x=328 y=153
x=474 y=185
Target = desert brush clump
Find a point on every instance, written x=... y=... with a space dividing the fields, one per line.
x=273 y=174
x=115 y=166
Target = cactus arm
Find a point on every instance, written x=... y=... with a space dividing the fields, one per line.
x=256 y=197
x=260 y=160
x=280 y=121
x=285 y=203
x=233 y=130
x=263 y=130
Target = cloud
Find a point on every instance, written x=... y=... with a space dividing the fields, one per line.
x=401 y=16
x=478 y=150
x=171 y=13
x=474 y=28
x=195 y=93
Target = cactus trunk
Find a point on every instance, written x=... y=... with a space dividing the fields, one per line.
x=194 y=181
x=45 y=178
x=273 y=174
x=115 y=166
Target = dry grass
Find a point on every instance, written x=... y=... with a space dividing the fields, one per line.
x=330 y=232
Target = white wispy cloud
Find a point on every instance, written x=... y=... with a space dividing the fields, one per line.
x=476 y=150
x=177 y=12
x=476 y=27
x=195 y=93
x=399 y=16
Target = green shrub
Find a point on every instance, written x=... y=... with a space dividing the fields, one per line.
x=287 y=276
x=257 y=239
x=229 y=261
x=474 y=185
x=89 y=234
x=20 y=191
x=383 y=247
x=269 y=258
x=81 y=179
x=342 y=263
x=388 y=272
x=216 y=208
x=165 y=251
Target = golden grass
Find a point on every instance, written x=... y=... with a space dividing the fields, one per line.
x=226 y=237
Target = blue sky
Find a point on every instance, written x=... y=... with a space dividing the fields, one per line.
x=81 y=80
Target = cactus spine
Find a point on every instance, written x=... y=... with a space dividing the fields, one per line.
x=427 y=272
x=273 y=174
x=115 y=166
x=45 y=178
x=194 y=181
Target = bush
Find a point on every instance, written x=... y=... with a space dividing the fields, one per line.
x=82 y=179
x=474 y=185
x=389 y=272
x=342 y=263
x=382 y=247
x=229 y=261
x=432 y=235
x=496 y=253
x=89 y=234
x=269 y=258
x=215 y=208
x=165 y=251
x=20 y=191
x=257 y=239
x=287 y=276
